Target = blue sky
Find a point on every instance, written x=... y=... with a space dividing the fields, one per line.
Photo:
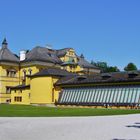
x=103 y=30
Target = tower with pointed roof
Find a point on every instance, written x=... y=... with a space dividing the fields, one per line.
x=9 y=72
x=82 y=56
x=4 y=43
x=6 y=55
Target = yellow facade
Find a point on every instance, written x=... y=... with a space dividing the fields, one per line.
x=10 y=80
x=71 y=56
x=43 y=91
x=9 y=76
x=20 y=96
x=18 y=79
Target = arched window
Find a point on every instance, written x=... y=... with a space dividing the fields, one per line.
x=30 y=71
x=11 y=72
x=24 y=74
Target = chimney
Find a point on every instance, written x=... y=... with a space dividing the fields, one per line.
x=22 y=55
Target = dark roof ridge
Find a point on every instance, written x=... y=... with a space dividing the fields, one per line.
x=120 y=72
x=23 y=86
x=52 y=72
x=97 y=78
x=64 y=48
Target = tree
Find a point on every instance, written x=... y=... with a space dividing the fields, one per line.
x=130 y=67
x=93 y=63
x=113 y=69
x=104 y=67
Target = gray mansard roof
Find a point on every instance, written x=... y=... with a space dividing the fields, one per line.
x=42 y=54
x=53 y=56
x=6 y=55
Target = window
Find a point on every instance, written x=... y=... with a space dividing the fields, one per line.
x=24 y=74
x=30 y=71
x=8 y=73
x=49 y=54
x=71 y=59
x=8 y=90
x=11 y=73
x=8 y=100
x=18 y=99
x=15 y=99
x=71 y=68
x=101 y=95
x=71 y=53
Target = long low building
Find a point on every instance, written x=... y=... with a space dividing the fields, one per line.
x=59 y=87
x=120 y=89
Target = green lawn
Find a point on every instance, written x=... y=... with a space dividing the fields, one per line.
x=39 y=111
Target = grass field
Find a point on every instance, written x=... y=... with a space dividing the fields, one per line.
x=39 y=111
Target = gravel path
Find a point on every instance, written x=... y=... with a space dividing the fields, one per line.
x=71 y=128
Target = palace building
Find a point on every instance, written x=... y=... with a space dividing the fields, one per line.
x=16 y=71
x=46 y=76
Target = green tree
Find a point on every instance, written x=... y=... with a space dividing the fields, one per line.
x=130 y=67
x=112 y=69
x=93 y=63
x=104 y=67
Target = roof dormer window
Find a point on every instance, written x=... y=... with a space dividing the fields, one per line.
x=106 y=76
x=132 y=74
x=50 y=54
x=80 y=78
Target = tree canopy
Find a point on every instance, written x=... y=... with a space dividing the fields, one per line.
x=104 y=67
x=130 y=67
